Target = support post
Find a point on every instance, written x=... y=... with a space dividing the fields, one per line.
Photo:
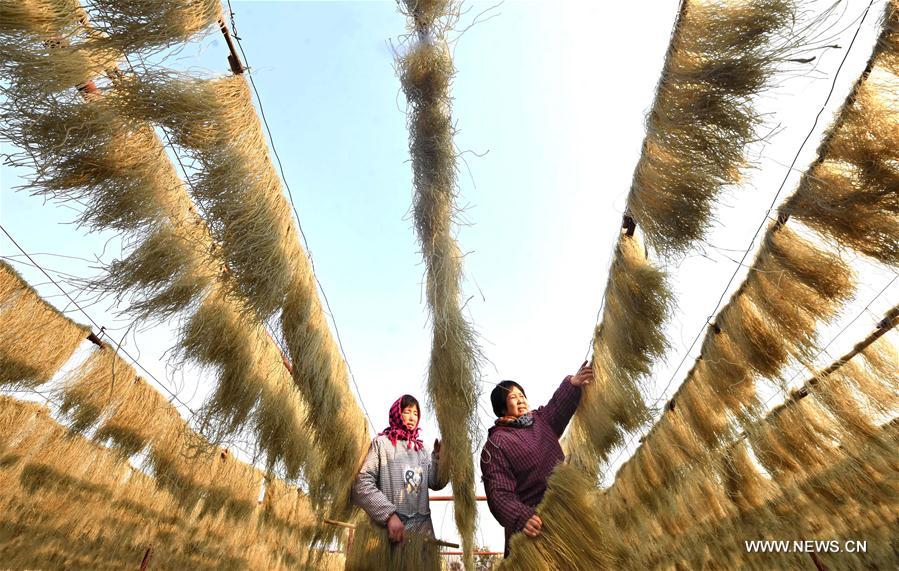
x=148 y=555
x=818 y=565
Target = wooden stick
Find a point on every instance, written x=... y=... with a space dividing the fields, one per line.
x=818 y=565
x=352 y=527
x=890 y=320
x=350 y=538
x=338 y=523
x=145 y=562
x=628 y=225
x=886 y=324
x=233 y=59
x=92 y=337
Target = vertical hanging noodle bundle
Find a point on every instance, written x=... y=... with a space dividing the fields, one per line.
x=372 y=551
x=44 y=48
x=152 y=25
x=93 y=153
x=625 y=342
x=849 y=194
x=94 y=387
x=721 y=55
x=215 y=122
x=426 y=71
x=35 y=338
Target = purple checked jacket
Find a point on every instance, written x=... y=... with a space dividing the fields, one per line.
x=516 y=461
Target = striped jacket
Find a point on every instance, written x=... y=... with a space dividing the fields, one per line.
x=395 y=479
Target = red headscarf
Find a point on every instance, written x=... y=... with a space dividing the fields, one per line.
x=398 y=431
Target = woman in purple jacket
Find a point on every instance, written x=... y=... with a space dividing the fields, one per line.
x=523 y=448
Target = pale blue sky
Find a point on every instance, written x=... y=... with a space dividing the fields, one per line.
x=549 y=102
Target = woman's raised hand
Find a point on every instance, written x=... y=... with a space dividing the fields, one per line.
x=584 y=375
x=437 y=448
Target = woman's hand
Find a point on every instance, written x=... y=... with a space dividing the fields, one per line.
x=533 y=526
x=584 y=376
x=395 y=528
x=437 y=449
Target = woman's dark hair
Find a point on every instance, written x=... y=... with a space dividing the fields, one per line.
x=498 y=396
x=409 y=400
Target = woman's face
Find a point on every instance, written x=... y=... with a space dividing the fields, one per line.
x=410 y=417
x=516 y=403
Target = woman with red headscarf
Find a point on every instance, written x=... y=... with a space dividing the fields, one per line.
x=392 y=485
